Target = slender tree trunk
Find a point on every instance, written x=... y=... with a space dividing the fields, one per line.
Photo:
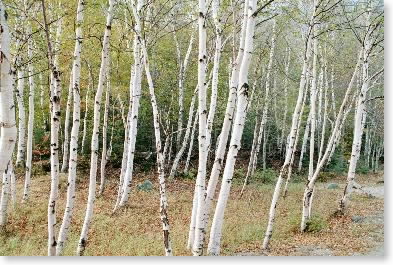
x=197 y=248
x=94 y=140
x=64 y=165
x=240 y=117
x=183 y=147
x=261 y=133
x=338 y=124
x=223 y=138
x=104 y=134
x=187 y=165
x=21 y=149
x=73 y=157
x=89 y=87
x=292 y=135
x=136 y=94
x=359 y=121
x=30 y=125
x=304 y=144
x=284 y=121
x=157 y=133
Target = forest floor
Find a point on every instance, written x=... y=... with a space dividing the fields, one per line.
x=136 y=229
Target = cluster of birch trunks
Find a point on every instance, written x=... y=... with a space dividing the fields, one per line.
x=314 y=97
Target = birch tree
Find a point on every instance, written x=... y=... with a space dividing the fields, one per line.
x=73 y=159
x=235 y=143
x=94 y=140
x=21 y=148
x=360 y=114
x=30 y=125
x=157 y=133
x=294 y=127
x=135 y=86
x=8 y=131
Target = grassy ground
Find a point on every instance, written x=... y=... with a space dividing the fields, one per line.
x=136 y=230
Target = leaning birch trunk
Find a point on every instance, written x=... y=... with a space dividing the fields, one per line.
x=157 y=133
x=64 y=165
x=30 y=125
x=89 y=87
x=8 y=131
x=73 y=158
x=360 y=117
x=21 y=149
x=254 y=144
x=223 y=138
x=304 y=144
x=284 y=120
x=94 y=140
x=340 y=119
x=313 y=99
x=292 y=135
x=182 y=73
x=183 y=147
x=135 y=86
x=125 y=148
x=235 y=143
x=261 y=133
x=289 y=173
x=104 y=134
x=324 y=119
x=190 y=147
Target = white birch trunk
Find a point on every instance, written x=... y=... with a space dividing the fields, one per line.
x=136 y=94
x=340 y=119
x=266 y=100
x=30 y=125
x=55 y=95
x=157 y=133
x=89 y=87
x=292 y=135
x=304 y=144
x=240 y=117
x=359 y=121
x=21 y=149
x=191 y=145
x=8 y=131
x=94 y=140
x=104 y=134
x=66 y=135
x=197 y=248
x=183 y=147
x=223 y=138
x=73 y=157
x=313 y=99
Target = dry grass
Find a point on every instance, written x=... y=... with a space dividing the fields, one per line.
x=136 y=229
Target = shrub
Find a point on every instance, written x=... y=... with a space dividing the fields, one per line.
x=326 y=176
x=190 y=174
x=266 y=176
x=316 y=224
